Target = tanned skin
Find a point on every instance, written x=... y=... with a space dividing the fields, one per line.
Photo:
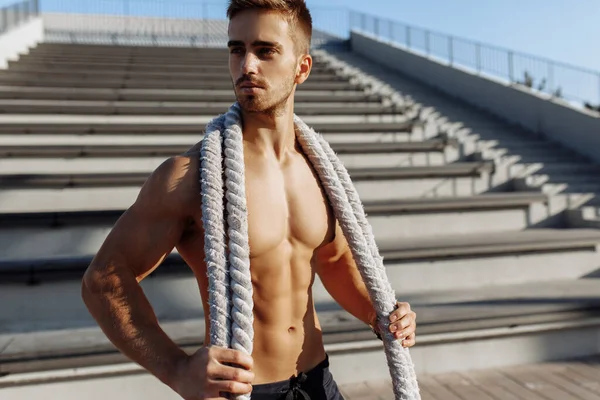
x=292 y=232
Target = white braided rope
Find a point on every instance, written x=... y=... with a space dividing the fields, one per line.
x=348 y=211
x=213 y=213
x=237 y=219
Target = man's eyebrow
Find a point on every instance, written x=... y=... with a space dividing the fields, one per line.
x=232 y=43
x=264 y=43
x=256 y=43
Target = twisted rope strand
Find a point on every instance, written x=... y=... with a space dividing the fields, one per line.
x=213 y=212
x=239 y=250
x=373 y=275
x=398 y=358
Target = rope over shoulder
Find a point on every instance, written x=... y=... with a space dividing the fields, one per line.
x=230 y=279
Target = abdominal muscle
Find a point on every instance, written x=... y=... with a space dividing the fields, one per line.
x=287 y=334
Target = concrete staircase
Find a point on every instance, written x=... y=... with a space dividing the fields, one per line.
x=490 y=232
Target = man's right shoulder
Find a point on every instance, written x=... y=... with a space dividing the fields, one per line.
x=174 y=183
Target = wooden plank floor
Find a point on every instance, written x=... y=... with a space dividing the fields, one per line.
x=569 y=380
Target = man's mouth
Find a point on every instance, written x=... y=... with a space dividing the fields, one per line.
x=250 y=86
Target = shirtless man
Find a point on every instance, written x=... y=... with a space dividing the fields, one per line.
x=292 y=234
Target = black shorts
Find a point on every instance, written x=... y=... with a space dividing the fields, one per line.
x=316 y=384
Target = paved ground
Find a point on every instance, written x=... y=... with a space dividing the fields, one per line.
x=573 y=380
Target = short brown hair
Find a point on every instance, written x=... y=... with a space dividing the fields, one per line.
x=296 y=12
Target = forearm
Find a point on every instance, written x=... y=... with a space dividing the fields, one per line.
x=118 y=304
x=345 y=285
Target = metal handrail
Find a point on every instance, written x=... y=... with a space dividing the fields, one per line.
x=542 y=75
x=14 y=15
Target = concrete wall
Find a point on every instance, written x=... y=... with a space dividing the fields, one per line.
x=575 y=128
x=19 y=40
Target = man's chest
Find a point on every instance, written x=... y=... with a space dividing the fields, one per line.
x=286 y=204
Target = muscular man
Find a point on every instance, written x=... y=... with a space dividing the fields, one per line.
x=292 y=236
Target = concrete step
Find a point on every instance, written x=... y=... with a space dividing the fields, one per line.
x=89 y=107
x=192 y=57
x=46 y=234
x=187 y=54
x=84 y=73
x=33 y=64
x=495 y=258
x=79 y=124
x=392 y=184
x=147 y=164
x=168 y=95
x=511 y=324
x=85 y=48
x=111 y=159
x=184 y=140
x=413 y=264
x=157 y=150
x=570 y=170
x=135 y=61
x=133 y=139
x=129 y=51
x=585 y=176
x=158 y=84
x=538 y=154
x=82 y=48
x=374 y=209
x=444 y=216
x=136 y=77
x=553 y=189
x=74 y=177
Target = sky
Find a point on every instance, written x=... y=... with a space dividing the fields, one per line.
x=563 y=30
x=567 y=31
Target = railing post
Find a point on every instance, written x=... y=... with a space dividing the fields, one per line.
x=126 y=14
x=451 y=49
x=205 y=25
x=427 y=44
x=478 y=56
x=376 y=26
x=550 y=76
x=36 y=7
x=363 y=22
x=511 y=75
x=3 y=19
x=598 y=103
x=350 y=21
x=408 y=37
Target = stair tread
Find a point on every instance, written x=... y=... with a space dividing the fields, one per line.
x=50 y=179
x=102 y=216
x=529 y=240
x=506 y=306
x=104 y=150
x=398 y=250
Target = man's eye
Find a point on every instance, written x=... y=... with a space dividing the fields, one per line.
x=267 y=51
x=235 y=50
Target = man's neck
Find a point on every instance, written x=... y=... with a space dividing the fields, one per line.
x=270 y=134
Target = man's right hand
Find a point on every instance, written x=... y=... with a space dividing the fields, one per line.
x=212 y=372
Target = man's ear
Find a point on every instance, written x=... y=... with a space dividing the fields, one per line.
x=304 y=68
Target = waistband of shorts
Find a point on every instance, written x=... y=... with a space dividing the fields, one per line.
x=279 y=385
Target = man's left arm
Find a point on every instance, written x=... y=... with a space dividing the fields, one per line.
x=339 y=274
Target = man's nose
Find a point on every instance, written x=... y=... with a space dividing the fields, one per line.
x=249 y=63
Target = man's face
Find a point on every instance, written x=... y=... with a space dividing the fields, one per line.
x=262 y=61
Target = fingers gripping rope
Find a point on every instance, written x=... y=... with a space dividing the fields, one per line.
x=231 y=302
